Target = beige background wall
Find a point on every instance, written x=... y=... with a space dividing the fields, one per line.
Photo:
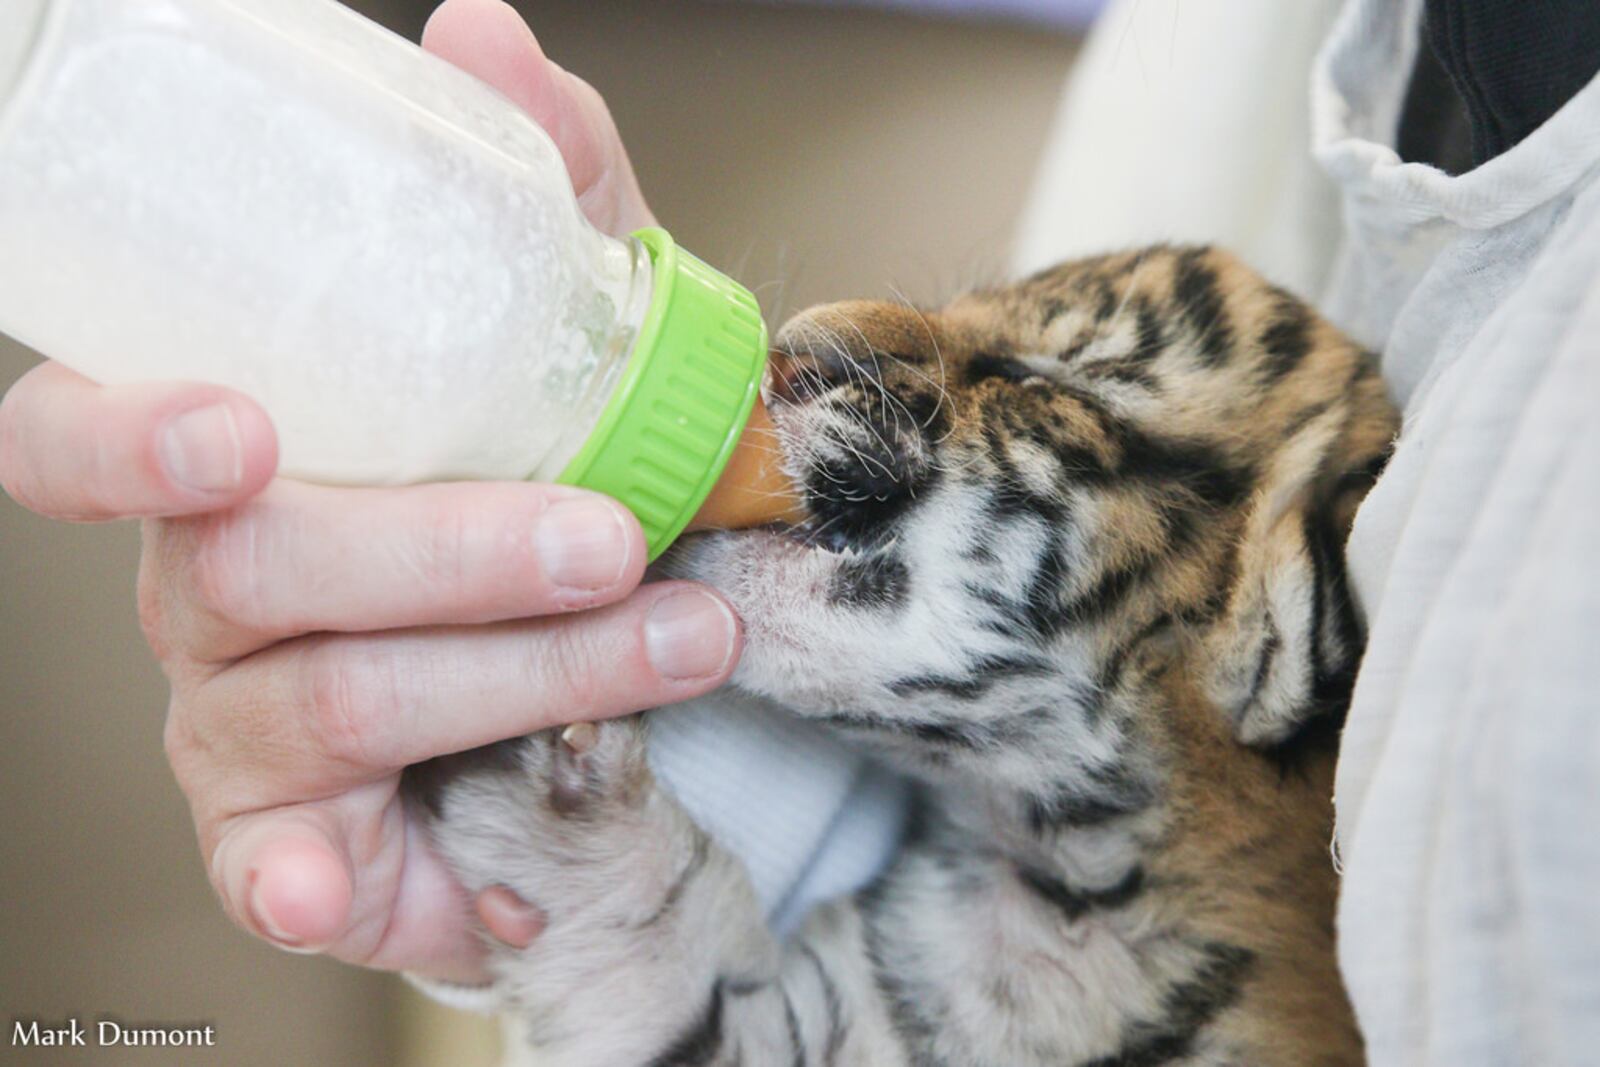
x=816 y=153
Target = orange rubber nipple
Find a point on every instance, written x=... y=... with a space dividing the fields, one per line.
x=753 y=489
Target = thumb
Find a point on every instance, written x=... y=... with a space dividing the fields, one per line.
x=283 y=877
x=289 y=876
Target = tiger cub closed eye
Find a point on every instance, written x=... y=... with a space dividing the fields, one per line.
x=1074 y=563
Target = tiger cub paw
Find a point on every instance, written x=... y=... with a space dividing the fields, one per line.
x=570 y=820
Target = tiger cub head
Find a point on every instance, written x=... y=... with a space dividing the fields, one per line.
x=1014 y=496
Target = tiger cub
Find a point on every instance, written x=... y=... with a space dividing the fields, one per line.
x=1074 y=564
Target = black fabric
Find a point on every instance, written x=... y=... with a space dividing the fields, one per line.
x=1493 y=72
x=1434 y=125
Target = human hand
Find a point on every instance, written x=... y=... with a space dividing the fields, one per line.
x=318 y=640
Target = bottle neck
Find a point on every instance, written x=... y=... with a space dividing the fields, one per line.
x=627 y=280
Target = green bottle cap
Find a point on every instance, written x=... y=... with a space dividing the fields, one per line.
x=675 y=416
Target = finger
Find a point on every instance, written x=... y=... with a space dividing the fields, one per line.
x=508 y=918
x=302 y=558
x=611 y=198
x=284 y=875
x=71 y=449
x=298 y=893
x=487 y=38
x=312 y=717
x=350 y=878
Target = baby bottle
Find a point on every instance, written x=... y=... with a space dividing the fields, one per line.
x=284 y=198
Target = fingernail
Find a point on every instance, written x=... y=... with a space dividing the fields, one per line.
x=582 y=544
x=201 y=450
x=262 y=917
x=689 y=635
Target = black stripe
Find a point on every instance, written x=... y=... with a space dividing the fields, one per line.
x=912 y=1013
x=1106 y=594
x=948 y=734
x=700 y=1044
x=978 y=552
x=983 y=674
x=697 y=860
x=797 y=1040
x=1181 y=522
x=1333 y=679
x=1186 y=1009
x=1333 y=595
x=1198 y=467
x=1009 y=494
x=1150 y=341
x=1076 y=903
x=1319 y=598
x=982 y=366
x=835 y=1006
x=1105 y=301
x=1041 y=608
x=1122 y=371
x=1075 y=349
x=1287 y=340
x=1270 y=646
x=1316 y=740
x=1109 y=676
x=1152 y=336
x=1198 y=293
x=1009 y=497
x=968 y=734
x=1364 y=477
x=1119 y=793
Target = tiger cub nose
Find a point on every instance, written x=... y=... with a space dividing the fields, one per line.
x=795 y=378
x=783 y=374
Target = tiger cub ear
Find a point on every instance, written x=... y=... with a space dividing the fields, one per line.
x=1287 y=646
